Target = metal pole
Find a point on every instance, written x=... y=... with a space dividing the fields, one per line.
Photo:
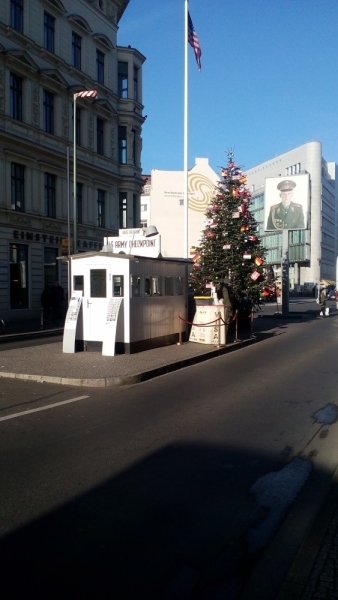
x=74 y=178
x=225 y=324
x=68 y=200
x=236 y=339
x=185 y=135
x=179 y=330
x=285 y=273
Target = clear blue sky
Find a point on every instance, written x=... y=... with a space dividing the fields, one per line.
x=268 y=82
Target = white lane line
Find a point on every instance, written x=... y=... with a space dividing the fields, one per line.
x=27 y=412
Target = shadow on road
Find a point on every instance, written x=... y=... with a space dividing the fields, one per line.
x=174 y=526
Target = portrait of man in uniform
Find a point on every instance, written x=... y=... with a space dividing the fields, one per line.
x=286 y=214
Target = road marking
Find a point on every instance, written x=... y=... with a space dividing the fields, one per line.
x=27 y=412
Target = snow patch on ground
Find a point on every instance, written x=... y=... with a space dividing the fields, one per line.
x=276 y=492
x=327 y=415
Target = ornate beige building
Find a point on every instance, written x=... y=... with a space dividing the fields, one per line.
x=49 y=50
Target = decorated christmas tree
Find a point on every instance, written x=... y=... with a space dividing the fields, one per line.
x=230 y=250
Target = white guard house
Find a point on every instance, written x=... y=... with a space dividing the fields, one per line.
x=127 y=301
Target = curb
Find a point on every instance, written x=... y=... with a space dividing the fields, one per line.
x=136 y=377
x=12 y=337
x=299 y=574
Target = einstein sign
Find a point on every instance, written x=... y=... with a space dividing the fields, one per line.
x=133 y=241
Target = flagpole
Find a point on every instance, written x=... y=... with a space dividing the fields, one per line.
x=74 y=179
x=185 y=148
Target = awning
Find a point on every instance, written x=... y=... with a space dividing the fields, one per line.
x=327 y=282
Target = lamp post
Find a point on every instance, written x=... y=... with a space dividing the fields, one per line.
x=82 y=94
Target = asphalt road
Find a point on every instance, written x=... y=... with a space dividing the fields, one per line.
x=187 y=486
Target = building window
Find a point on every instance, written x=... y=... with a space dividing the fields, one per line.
x=123 y=210
x=17 y=15
x=18 y=187
x=136 y=210
x=18 y=275
x=50 y=266
x=101 y=221
x=48 y=32
x=122 y=142
x=99 y=136
x=100 y=66
x=76 y=50
x=79 y=188
x=50 y=195
x=136 y=84
x=16 y=97
x=48 y=112
x=123 y=80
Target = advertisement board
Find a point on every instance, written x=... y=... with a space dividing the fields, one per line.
x=286 y=202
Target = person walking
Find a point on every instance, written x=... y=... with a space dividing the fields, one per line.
x=45 y=300
x=57 y=298
x=322 y=303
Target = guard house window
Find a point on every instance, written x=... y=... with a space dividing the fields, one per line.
x=17 y=187
x=50 y=195
x=79 y=188
x=168 y=286
x=100 y=66
x=122 y=210
x=18 y=276
x=98 y=283
x=123 y=80
x=101 y=208
x=76 y=50
x=78 y=283
x=135 y=281
x=99 y=136
x=16 y=97
x=17 y=15
x=136 y=84
x=48 y=32
x=50 y=266
x=118 y=285
x=122 y=145
x=48 y=112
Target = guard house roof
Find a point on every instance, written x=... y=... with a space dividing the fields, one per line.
x=101 y=254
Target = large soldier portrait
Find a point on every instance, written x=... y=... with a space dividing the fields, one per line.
x=286 y=214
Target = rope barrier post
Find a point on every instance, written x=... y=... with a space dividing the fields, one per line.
x=41 y=318
x=219 y=330
x=225 y=324
x=236 y=334
x=179 y=343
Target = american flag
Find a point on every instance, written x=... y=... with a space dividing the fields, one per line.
x=86 y=94
x=193 y=41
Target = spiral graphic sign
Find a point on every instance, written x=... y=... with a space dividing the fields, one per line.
x=200 y=190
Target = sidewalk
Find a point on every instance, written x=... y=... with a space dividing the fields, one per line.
x=47 y=362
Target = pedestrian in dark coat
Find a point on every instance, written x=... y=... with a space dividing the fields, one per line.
x=57 y=298
x=322 y=303
x=46 y=302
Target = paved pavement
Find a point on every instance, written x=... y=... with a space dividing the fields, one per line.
x=314 y=574
x=46 y=362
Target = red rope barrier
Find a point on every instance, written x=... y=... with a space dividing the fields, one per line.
x=199 y=324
